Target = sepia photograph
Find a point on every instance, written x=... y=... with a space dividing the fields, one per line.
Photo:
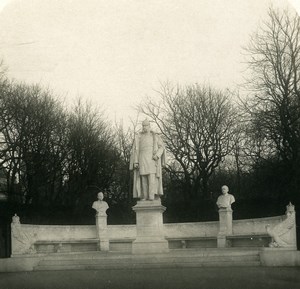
x=149 y=144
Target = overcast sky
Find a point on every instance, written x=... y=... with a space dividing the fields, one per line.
x=115 y=52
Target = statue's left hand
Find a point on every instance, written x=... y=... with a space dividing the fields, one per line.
x=155 y=157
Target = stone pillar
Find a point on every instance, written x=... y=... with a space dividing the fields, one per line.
x=149 y=228
x=225 y=226
x=101 y=225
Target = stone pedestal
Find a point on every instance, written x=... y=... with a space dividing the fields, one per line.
x=279 y=256
x=221 y=241
x=149 y=228
x=101 y=225
x=225 y=226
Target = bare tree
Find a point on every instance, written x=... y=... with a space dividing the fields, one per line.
x=92 y=153
x=197 y=124
x=124 y=140
x=32 y=129
x=274 y=62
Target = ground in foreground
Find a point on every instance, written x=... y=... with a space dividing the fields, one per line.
x=214 y=278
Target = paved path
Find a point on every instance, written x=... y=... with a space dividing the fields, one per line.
x=181 y=278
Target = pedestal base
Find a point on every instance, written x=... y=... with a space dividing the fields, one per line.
x=103 y=245
x=221 y=241
x=148 y=246
x=149 y=226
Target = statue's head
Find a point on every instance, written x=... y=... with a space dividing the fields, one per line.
x=146 y=125
x=225 y=190
x=100 y=196
x=290 y=209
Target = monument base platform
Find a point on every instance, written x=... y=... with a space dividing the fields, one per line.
x=173 y=259
x=208 y=257
x=149 y=225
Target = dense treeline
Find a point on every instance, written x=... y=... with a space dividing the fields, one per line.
x=57 y=159
x=53 y=157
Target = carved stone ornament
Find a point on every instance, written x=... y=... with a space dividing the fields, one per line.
x=283 y=234
x=22 y=242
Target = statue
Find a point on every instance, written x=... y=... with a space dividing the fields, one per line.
x=100 y=206
x=282 y=233
x=16 y=219
x=225 y=200
x=147 y=159
x=22 y=241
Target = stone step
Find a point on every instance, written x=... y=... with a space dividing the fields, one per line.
x=183 y=258
x=150 y=260
x=147 y=265
x=172 y=253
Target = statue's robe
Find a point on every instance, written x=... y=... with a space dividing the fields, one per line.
x=143 y=157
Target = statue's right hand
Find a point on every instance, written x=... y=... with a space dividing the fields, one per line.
x=136 y=166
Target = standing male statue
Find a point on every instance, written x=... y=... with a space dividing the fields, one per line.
x=147 y=159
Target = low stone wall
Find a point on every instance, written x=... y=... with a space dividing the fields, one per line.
x=57 y=232
x=25 y=236
x=254 y=226
x=119 y=232
x=191 y=230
